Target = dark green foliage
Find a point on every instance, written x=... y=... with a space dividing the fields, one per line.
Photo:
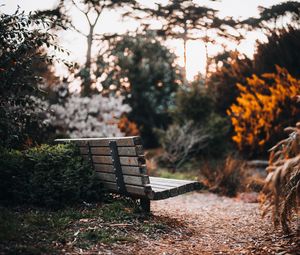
x=145 y=72
x=192 y=104
x=14 y=181
x=218 y=128
x=51 y=176
x=23 y=39
x=58 y=16
x=231 y=68
x=183 y=15
x=282 y=49
x=197 y=129
x=290 y=9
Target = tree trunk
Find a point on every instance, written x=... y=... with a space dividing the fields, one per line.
x=207 y=61
x=207 y=64
x=86 y=90
x=184 y=49
x=89 y=48
x=184 y=56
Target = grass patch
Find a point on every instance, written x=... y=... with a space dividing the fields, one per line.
x=32 y=230
x=119 y=211
x=41 y=231
x=102 y=235
x=188 y=171
x=164 y=173
x=9 y=225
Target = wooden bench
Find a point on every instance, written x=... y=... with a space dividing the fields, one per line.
x=120 y=165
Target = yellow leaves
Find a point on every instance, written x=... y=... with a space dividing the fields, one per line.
x=268 y=76
x=261 y=104
x=241 y=87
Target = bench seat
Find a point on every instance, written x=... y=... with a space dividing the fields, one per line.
x=163 y=188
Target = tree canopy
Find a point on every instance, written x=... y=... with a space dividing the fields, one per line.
x=274 y=14
x=91 y=11
x=143 y=70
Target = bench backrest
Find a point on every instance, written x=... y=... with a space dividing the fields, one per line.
x=119 y=163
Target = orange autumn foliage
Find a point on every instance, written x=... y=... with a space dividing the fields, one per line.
x=265 y=106
x=128 y=127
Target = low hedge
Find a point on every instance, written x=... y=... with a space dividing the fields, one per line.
x=52 y=176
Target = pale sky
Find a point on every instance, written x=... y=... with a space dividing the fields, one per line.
x=110 y=22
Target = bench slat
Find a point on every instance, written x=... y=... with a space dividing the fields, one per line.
x=180 y=189
x=172 y=191
x=121 y=141
x=167 y=180
x=122 y=151
x=175 y=189
x=125 y=161
x=182 y=185
x=128 y=179
x=158 y=194
x=128 y=170
x=134 y=190
x=186 y=186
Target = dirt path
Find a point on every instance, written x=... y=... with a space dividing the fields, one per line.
x=214 y=225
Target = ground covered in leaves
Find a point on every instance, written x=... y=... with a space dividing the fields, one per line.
x=195 y=223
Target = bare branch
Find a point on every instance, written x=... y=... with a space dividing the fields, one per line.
x=180 y=142
x=77 y=30
x=76 y=5
x=84 y=12
x=96 y=20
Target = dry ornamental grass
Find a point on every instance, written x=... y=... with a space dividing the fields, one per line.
x=281 y=193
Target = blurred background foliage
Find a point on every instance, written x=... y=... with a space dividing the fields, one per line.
x=145 y=72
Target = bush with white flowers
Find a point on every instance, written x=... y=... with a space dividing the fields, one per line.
x=95 y=116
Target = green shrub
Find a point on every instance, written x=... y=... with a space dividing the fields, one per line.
x=196 y=105
x=218 y=128
x=47 y=176
x=193 y=104
x=23 y=58
x=13 y=178
x=145 y=71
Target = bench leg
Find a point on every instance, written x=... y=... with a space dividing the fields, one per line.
x=145 y=205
